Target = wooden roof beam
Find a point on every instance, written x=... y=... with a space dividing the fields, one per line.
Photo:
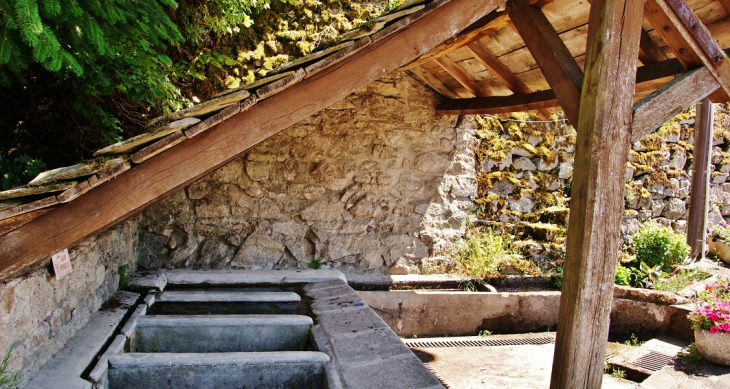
x=690 y=41
x=649 y=52
x=556 y=62
x=726 y=5
x=460 y=74
x=670 y=100
x=173 y=169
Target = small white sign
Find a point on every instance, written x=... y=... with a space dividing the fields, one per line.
x=61 y=264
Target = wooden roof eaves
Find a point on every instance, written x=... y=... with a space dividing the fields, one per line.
x=188 y=161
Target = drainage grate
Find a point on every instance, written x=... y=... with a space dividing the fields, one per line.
x=653 y=361
x=478 y=342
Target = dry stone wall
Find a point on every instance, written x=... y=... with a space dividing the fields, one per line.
x=39 y=313
x=374 y=183
x=525 y=172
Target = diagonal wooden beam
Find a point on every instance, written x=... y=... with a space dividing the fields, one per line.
x=556 y=63
x=690 y=41
x=461 y=75
x=597 y=201
x=670 y=100
x=649 y=52
x=433 y=82
x=726 y=5
x=112 y=202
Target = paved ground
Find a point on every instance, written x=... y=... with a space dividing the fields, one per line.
x=528 y=366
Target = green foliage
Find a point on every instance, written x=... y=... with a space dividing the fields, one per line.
x=680 y=280
x=557 y=277
x=691 y=356
x=7 y=379
x=19 y=170
x=481 y=254
x=316 y=263
x=623 y=275
x=123 y=273
x=484 y=333
x=659 y=246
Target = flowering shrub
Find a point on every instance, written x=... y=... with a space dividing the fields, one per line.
x=719 y=232
x=713 y=308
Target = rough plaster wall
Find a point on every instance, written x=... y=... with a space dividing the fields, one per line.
x=376 y=181
x=38 y=313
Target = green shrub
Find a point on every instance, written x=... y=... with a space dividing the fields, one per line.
x=19 y=170
x=480 y=255
x=655 y=245
x=623 y=275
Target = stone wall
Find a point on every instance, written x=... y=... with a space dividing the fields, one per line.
x=38 y=313
x=374 y=183
x=526 y=170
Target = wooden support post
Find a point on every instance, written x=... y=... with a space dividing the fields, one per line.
x=597 y=202
x=700 y=194
x=556 y=63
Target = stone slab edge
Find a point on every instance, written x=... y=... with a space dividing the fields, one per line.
x=64 y=370
x=99 y=372
x=131 y=324
x=148 y=281
x=335 y=300
x=244 y=277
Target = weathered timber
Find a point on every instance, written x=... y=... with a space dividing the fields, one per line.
x=692 y=24
x=597 y=200
x=396 y=14
x=670 y=100
x=137 y=142
x=162 y=145
x=684 y=45
x=151 y=181
x=220 y=116
x=460 y=74
x=74 y=192
x=311 y=57
x=9 y=224
x=494 y=105
x=649 y=52
x=109 y=173
x=556 y=63
x=336 y=57
x=407 y=4
x=204 y=108
x=26 y=191
x=255 y=84
x=726 y=5
x=406 y=21
x=700 y=192
x=75 y=171
x=362 y=31
x=429 y=79
x=278 y=86
x=29 y=207
x=497 y=68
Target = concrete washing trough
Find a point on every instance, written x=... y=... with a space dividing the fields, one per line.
x=224 y=333
x=292 y=369
x=238 y=329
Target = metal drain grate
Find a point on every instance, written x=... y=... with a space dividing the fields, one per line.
x=653 y=361
x=479 y=342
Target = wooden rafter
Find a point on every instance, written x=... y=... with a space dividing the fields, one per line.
x=690 y=41
x=726 y=5
x=670 y=100
x=127 y=194
x=556 y=63
x=597 y=200
x=649 y=52
x=460 y=74
x=432 y=81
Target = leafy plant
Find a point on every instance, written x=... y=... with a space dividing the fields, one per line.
x=7 y=379
x=654 y=245
x=680 y=280
x=485 y=333
x=19 y=170
x=633 y=341
x=123 y=273
x=480 y=255
x=557 y=277
x=719 y=232
x=623 y=275
x=712 y=309
x=315 y=263
x=691 y=356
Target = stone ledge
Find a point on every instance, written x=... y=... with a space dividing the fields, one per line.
x=64 y=370
x=246 y=277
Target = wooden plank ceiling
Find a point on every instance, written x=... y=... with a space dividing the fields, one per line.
x=490 y=59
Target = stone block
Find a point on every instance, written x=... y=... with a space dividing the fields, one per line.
x=349 y=320
x=367 y=346
x=403 y=371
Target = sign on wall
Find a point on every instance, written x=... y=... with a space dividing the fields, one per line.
x=61 y=264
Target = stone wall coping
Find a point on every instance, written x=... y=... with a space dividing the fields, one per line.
x=243 y=277
x=64 y=370
x=214 y=296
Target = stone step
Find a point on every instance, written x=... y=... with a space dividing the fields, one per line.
x=183 y=296
x=291 y=369
x=641 y=362
x=220 y=333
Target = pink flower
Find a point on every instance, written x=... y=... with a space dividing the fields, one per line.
x=714 y=330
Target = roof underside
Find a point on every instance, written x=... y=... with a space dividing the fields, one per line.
x=486 y=57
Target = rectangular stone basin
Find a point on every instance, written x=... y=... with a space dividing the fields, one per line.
x=227 y=302
x=223 y=333
x=281 y=370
